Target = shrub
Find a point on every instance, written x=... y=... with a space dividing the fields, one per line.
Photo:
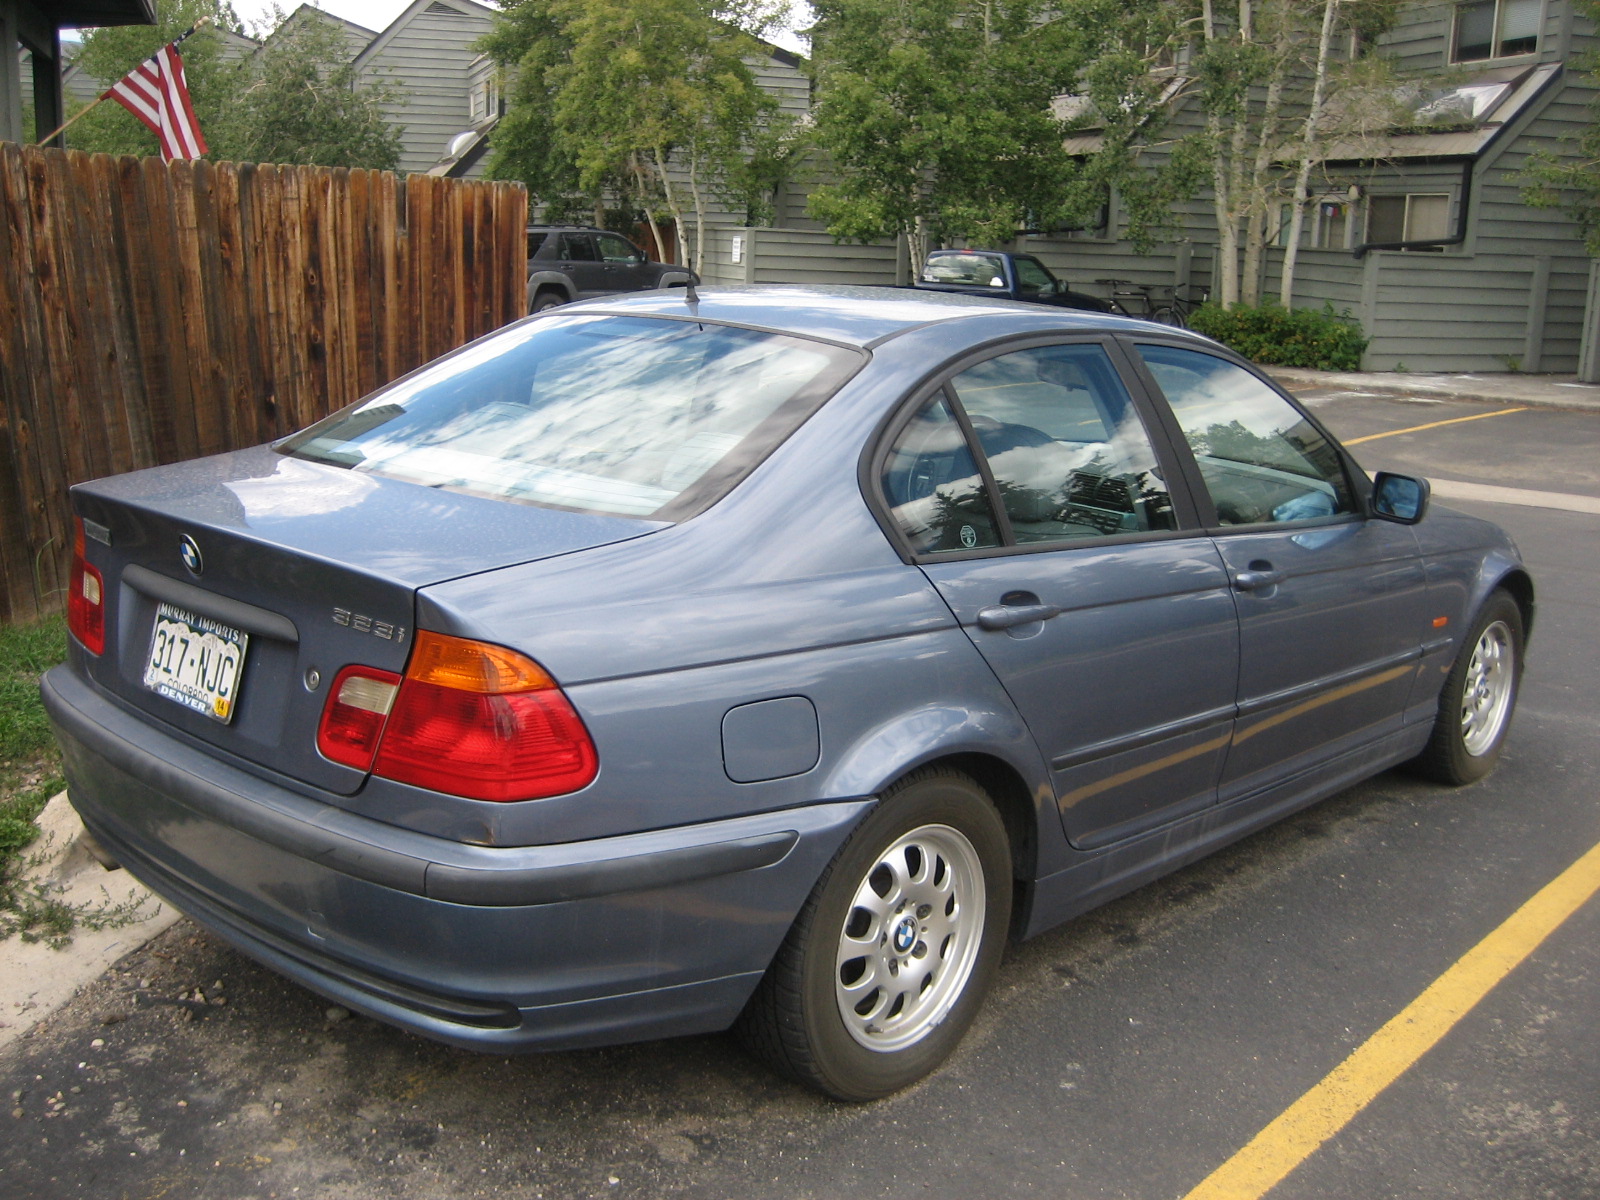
x=1287 y=337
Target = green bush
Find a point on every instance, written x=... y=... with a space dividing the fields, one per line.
x=1320 y=339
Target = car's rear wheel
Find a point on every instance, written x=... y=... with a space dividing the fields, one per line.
x=548 y=298
x=1479 y=696
x=888 y=962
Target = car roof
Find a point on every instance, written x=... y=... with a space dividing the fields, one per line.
x=856 y=316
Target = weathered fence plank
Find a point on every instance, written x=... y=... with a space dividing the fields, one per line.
x=151 y=312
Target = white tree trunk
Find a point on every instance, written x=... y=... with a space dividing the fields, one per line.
x=673 y=205
x=1308 y=142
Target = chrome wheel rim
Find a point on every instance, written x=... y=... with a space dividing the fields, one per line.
x=910 y=938
x=1486 y=691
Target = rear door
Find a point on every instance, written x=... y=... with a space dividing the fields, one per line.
x=1332 y=604
x=1029 y=489
x=581 y=262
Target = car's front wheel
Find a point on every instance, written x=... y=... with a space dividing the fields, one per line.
x=548 y=298
x=1479 y=696
x=887 y=963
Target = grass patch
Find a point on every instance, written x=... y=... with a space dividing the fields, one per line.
x=30 y=773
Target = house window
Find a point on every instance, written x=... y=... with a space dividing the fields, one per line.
x=1420 y=217
x=1496 y=29
x=483 y=100
x=1330 y=226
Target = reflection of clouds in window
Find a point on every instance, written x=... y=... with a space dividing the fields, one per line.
x=615 y=414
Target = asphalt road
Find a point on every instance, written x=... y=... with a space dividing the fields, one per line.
x=1129 y=1054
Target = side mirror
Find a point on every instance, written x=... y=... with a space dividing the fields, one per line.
x=1399 y=498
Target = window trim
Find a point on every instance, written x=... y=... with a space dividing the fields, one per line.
x=1151 y=412
x=1356 y=479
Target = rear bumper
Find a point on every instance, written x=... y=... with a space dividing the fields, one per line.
x=493 y=948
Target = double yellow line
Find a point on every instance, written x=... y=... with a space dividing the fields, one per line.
x=1328 y=1107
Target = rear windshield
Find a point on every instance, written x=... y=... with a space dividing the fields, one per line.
x=973 y=270
x=631 y=416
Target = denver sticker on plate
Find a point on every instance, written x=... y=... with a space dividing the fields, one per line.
x=196 y=661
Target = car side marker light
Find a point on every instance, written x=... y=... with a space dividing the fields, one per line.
x=1440 y=622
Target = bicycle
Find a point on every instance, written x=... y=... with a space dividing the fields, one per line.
x=1171 y=308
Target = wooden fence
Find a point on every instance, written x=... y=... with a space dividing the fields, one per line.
x=154 y=312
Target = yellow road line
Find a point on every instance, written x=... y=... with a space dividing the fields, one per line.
x=1386 y=1055
x=1372 y=437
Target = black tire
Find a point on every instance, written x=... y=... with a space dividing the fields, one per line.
x=934 y=820
x=548 y=298
x=1478 y=698
x=1167 y=315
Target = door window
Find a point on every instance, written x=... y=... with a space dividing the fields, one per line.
x=614 y=249
x=1262 y=461
x=1068 y=452
x=1033 y=279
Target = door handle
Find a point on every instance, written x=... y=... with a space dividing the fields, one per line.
x=1249 y=581
x=1005 y=616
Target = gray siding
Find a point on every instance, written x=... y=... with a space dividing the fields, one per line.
x=795 y=256
x=426 y=54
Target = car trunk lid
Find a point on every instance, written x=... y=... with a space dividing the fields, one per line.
x=298 y=569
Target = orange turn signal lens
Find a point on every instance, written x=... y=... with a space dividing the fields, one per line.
x=469 y=666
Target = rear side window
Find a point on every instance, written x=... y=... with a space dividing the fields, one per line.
x=535 y=240
x=623 y=415
x=1262 y=461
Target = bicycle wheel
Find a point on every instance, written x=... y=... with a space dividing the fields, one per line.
x=1168 y=314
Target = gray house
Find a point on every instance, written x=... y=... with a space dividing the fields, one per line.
x=1423 y=235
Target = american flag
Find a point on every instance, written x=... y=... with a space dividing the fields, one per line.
x=157 y=94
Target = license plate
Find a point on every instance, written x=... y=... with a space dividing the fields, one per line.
x=196 y=661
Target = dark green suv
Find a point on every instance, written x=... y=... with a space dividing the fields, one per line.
x=577 y=262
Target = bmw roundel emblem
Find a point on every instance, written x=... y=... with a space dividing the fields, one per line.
x=905 y=936
x=189 y=551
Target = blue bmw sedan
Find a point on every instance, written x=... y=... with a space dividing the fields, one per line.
x=764 y=658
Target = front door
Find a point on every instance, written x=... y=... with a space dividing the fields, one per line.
x=1332 y=604
x=1031 y=494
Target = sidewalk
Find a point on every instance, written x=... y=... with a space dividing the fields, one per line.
x=36 y=980
x=1549 y=391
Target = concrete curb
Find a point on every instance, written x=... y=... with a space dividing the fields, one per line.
x=35 y=980
x=1543 y=391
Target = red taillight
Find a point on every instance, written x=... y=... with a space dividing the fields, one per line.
x=86 y=597
x=469 y=719
x=352 y=723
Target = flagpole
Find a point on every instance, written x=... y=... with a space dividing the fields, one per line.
x=101 y=99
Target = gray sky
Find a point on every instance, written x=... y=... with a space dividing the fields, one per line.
x=376 y=14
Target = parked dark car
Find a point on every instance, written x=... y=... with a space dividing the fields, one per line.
x=657 y=665
x=999 y=274
x=576 y=262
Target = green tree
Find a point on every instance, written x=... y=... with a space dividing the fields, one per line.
x=937 y=115
x=1570 y=180
x=648 y=101
x=295 y=100
x=303 y=102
